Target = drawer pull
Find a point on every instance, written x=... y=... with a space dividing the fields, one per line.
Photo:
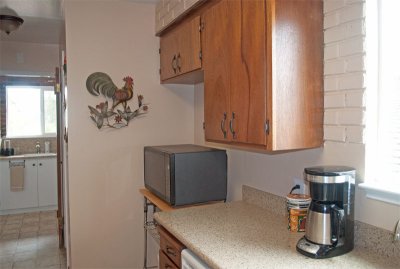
x=223 y=125
x=178 y=62
x=231 y=125
x=170 y=251
x=173 y=63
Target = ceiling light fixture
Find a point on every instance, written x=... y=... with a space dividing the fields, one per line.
x=9 y=20
x=10 y=23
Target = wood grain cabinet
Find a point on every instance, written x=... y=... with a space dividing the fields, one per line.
x=170 y=250
x=165 y=262
x=180 y=53
x=262 y=63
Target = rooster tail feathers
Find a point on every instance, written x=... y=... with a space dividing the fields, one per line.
x=100 y=83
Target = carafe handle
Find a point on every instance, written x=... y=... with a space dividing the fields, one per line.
x=337 y=217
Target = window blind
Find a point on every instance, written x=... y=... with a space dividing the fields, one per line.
x=388 y=133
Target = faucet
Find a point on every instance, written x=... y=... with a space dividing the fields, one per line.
x=37 y=147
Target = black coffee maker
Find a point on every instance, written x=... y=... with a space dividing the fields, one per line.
x=330 y=218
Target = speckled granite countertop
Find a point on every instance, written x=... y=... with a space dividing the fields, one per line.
x=240 y=235
x=28 y=156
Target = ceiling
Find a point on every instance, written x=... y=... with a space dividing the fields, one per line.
x=42 y=21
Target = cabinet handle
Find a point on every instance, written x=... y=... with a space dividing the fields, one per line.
x=223 y=125
x=40 y=164
x=178 y=61
x=231 y=125
x=170 y=251
x=173 y=63
x=33 y=164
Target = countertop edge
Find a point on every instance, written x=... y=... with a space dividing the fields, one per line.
x=28 y=156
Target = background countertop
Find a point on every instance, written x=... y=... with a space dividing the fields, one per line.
x=28 y=156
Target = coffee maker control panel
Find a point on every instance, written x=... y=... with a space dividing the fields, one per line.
x=307 y=246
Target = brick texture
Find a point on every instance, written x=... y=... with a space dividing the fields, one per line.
x=344 y=71
x=168 y=11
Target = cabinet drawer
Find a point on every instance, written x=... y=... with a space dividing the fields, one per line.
x=171 y=247
x=165 y=262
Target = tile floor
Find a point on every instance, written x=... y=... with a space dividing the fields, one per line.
x=30 y=240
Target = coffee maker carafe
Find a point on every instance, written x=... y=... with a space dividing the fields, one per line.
x=330 y=219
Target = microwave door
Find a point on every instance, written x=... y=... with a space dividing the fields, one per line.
x=155 y=173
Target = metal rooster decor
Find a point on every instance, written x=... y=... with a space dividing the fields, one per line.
x=104 y=115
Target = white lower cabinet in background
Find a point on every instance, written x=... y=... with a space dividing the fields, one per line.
x=18 y=199
x=40 y=185
x=47 y=181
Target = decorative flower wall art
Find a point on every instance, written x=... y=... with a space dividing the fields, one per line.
x=107 y=114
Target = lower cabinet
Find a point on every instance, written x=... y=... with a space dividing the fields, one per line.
x=18 y=199
x=40 y=184
x=47 y=181
x=165 y=262
x=170 y=250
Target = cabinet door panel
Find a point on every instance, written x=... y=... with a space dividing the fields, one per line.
x=180 y=49
x=248 y=72
x=216 y=65
x=298 y=75
x=19 y=199
x=168 y=49
x=189 y=46
x=47 y=182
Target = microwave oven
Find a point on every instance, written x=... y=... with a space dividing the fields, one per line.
x=186 y=174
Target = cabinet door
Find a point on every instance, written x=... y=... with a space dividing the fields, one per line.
x=216 y=39
x=234 y=72
x=25 y=198
x=47 y=181
x=180 y=49
x=247 y=72
x=297 y=52
x=168 y=54
x=189 y=46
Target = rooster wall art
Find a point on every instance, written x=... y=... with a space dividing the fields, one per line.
x=108 y=115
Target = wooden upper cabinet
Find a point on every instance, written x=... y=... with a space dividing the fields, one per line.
x=262 y=64
x=263 y=70
x=180 y=51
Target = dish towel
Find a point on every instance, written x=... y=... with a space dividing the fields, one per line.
x=17 y=174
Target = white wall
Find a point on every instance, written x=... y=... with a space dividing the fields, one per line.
x=106 y=167
x=28 y=58
x=344 y=123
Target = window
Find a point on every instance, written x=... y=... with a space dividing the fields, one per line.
x=383 y=105
x=31 y=111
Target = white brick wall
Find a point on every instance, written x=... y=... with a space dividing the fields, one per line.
x=169 y=10
x=344 y=71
